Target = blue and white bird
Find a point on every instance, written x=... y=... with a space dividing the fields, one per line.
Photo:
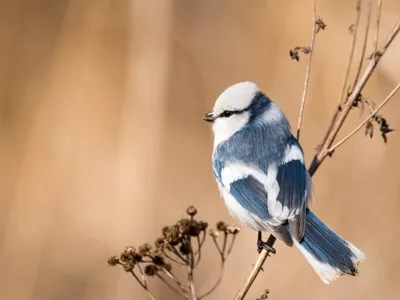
x=260 y=171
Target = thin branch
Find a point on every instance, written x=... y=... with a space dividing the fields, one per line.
x=173 y=259
x=215 y=285
x=176 y=252
x=224 y=245
x=185 y=296
x=364 y=49
x=256 y=269
x=218 y=247
x=231 y=246
x=378 y=21
x=307 y=78
x=143 y=276
x=192 y=290
x=143 y=286
x=174 y=279
x=341 y=142
x=351 y=53
x=198 y=252
x=323 y=151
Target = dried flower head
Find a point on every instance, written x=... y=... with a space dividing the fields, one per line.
x=233 y=229
x=184 y=226
x=128 y=267
x=195 y=228
x=145 y=249
x=203 y=225
x=158 y=259
x=184 y=249
x=113 y=261
x=159 y=243
x=150 y=270
x=221 y=226
x=214 y=233
x=191 y=211
x=173 y=235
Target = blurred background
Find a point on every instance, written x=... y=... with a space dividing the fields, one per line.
x=102 y=142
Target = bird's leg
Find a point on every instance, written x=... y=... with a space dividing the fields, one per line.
x=264 y=245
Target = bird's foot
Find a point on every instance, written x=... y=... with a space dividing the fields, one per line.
x=264 y=245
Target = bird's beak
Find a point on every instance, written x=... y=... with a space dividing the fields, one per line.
x=208 y=117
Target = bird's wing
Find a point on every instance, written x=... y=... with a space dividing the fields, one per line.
x=294 y=184
x=251 y=189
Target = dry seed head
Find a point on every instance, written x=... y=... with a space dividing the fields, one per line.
x=150 y=270
x=233 y=229
x=128 y=267
x=113 y=261
x=203 y=225
x=221 y=226
x=191 y=211
x=159 y=243
x=184 y=249
x=145 y=249
x=214 y=233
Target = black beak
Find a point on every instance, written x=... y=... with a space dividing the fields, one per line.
x=208 y=117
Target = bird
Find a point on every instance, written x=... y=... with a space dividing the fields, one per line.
x=261 y=175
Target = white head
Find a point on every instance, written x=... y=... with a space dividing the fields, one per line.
x=235 y=106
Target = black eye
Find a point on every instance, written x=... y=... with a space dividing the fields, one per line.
x=226 y=113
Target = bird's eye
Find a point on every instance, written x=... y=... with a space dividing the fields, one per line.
x=226 y=113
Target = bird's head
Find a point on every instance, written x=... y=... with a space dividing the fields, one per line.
x=242 y=104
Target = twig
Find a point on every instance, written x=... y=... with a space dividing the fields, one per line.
x=351 y=54
x=231 y=245
x=218 y=247
x=174 y=279
x=256 y=269
x=323 y=151
x=378 y=21
x=143 y=286
x=364 y=49
x=307 y=78
x=185 y=296
x=338 y=144
x=172 y=259
x=215 y=285
x=143 y=276
x=198 y=252
x=192 y=290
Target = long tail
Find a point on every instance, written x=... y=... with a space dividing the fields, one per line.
x=330 y=255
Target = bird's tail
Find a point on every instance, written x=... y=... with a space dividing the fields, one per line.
x=330 y=255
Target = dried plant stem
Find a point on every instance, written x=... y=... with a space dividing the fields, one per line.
x=192 y=290
x=308 y=70
x=364 y=49
x=185 y=296
x=378 y=21
x=143 y=285
x=216 y=284
x=338 y=123
x=323 y=152
x=256 y=269
x=174 y=279
x=351 y=53
x=342 y=141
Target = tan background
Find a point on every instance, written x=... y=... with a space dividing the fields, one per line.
x=102 y=142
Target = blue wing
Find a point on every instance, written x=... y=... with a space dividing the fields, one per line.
x=294 y=188
x=252 y=196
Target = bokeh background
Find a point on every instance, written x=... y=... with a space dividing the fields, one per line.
x=102 y=142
